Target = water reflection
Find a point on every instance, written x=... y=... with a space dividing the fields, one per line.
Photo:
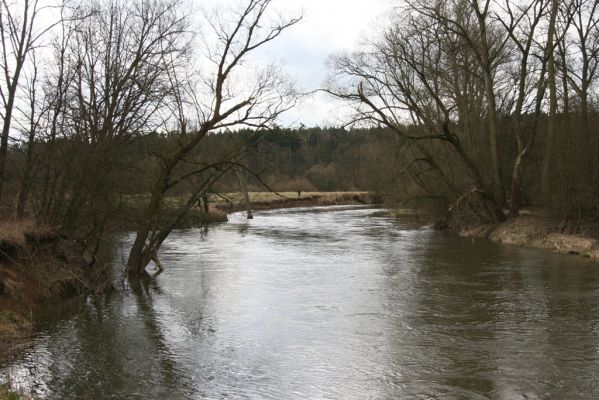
x=344 y=304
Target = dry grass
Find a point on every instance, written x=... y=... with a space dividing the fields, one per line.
x=531 y=229
x=15 y=233
x=270 y=201
x=225 y=199
x=270 y=196
x=13 y=325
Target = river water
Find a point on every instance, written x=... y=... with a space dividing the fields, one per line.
x=329 y=303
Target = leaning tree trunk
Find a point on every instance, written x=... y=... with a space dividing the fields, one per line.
x=139 y=257
x=138 y=261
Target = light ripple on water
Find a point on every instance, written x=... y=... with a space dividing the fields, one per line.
x=335 y=303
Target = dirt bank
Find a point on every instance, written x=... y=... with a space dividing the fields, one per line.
x=272 y=201
x=537 y=231
x=38 y=264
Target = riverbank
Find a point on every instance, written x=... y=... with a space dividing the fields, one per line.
x=222 y=204
x=532 y=229
x=38 y=264
x=261 y=201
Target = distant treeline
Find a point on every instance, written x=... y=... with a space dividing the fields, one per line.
x=315 y=159
x=281 y=159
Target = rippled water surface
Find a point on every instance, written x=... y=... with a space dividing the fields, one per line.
x=334 y=303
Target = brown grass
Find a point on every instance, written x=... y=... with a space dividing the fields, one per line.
x=16 y=233
x=271 y=196
x=37 y=264
x=269 y=201
x=13 y=325
x=531 y=229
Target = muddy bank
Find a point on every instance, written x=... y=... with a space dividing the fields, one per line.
x=38 y=264
x=535 y=231
x=306 y=200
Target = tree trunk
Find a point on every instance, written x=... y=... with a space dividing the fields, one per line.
x=139 y=256
x=552 y=80
x=243 y=186
x=28 y=173
x=205 y=202
x=550 y=128
x=516 y=184
x=137 y=263
x=4 y=138
x=23 y=195
x=498 y=190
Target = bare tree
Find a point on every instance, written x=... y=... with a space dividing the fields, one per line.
x=110 y=82
x=552 y=37
x=57 y=83
x=30 y=128
x=472 y=21
x=523 y=24
x=581 y=64
x=19 y=35
x=409 y=76
x=223 y=98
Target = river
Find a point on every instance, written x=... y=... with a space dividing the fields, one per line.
x=328 y=303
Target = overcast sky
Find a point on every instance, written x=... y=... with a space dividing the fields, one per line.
x=327 y=27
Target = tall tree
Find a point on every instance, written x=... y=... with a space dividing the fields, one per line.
x=19 y=35
x=218 y=101
x=411 y=71
x=109 y=86
x=523 y=24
